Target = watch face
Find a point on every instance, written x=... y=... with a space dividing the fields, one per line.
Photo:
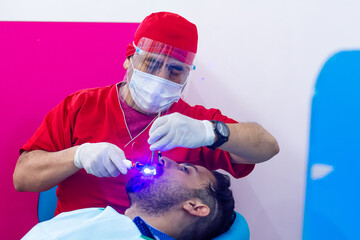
x=223 y=129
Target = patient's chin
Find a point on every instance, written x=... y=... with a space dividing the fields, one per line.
x=139 y=182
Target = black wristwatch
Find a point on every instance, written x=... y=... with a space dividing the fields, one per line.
x=222 y=132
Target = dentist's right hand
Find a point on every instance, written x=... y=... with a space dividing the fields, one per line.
x=101 y=159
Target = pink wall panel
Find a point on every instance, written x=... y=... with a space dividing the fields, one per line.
x=41 y=63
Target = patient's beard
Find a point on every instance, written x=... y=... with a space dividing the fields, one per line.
x=156 y=196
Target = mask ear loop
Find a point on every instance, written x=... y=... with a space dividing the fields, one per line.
x=131 y=62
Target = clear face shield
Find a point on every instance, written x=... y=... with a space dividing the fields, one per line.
x=159 y=75
x=162 y=60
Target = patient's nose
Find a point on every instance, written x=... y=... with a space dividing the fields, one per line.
x=167 y=163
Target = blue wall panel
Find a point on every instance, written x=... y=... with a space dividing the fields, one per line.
x=332 y=205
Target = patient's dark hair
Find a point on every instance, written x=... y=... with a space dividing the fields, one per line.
x=219 y=198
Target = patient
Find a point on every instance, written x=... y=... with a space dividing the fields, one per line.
x=183 y=201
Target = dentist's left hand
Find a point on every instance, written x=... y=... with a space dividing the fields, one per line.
x=177 y=130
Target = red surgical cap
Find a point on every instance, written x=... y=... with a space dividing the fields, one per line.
x=169 y=28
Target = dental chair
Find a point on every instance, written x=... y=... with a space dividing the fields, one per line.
x=47 y=205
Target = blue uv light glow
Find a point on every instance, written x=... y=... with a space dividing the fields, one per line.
x=149 y=170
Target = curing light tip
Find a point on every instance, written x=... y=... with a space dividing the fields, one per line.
x=149 y=170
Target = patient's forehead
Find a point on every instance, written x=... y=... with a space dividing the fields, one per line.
x=194 y=176
x=206 y=173
x=202 y=177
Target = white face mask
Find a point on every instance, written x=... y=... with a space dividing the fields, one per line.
x=152 y=93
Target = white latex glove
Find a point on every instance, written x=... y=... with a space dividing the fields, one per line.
x=101 y=159
x=177 y=130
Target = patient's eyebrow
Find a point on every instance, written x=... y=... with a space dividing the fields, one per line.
x=191 y=165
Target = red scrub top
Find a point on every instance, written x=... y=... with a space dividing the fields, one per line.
x=95 y=115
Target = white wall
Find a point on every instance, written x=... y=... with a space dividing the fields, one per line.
x=257 y=61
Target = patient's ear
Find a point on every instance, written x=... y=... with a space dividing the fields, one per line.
x=196 y=207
